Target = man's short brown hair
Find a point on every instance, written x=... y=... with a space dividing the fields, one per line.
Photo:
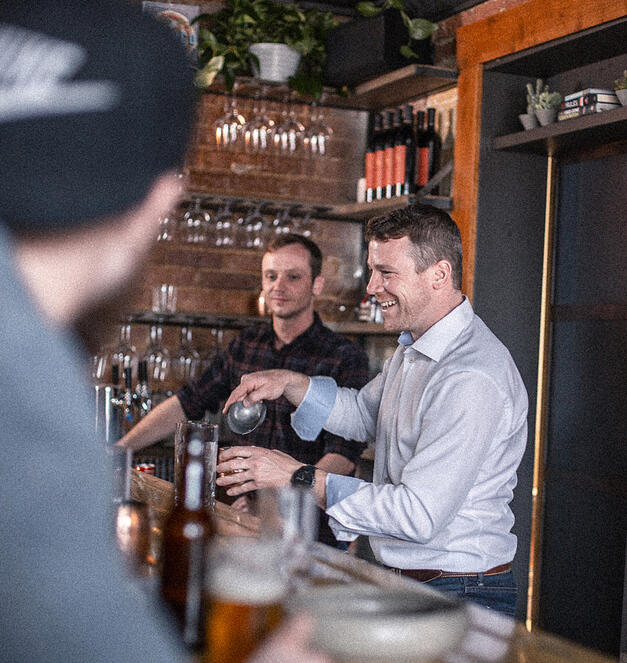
x=315 y=255
x=433 y=233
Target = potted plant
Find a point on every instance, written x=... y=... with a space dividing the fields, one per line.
x=547 y=105
x=620 y=85
x=235 y=40
x=386 y=38
x=529 y=119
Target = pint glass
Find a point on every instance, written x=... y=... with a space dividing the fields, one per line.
x=246 y=588
x=209 y=435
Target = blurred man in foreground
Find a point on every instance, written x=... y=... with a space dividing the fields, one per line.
x=96 y=104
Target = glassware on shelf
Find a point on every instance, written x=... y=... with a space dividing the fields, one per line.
x=223 y=226
x=164 y=298
x=289 y=134
x=125 y=355
x=304 y=226
x=186 y=361
x=318 y=133
x=167 y=227
x=258 y=132
x=100 y=365
x=228 y=127
x=214 y=346
x=254 y=229
x=157 y=360
x=196 y=224
x=281 y=224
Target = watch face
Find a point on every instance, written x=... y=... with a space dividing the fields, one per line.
x=304 y=476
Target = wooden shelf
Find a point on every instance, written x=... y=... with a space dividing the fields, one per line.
x=343 y=212
x=562 y=137
x=392 y=89
x=209 y=320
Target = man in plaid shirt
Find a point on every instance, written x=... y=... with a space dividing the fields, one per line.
x=296 y=340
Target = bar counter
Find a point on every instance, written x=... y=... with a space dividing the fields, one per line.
x=490 y=637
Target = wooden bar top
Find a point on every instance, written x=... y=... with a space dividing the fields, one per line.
x=491 y=637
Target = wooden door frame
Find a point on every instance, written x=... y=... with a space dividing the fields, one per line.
x=524 y=26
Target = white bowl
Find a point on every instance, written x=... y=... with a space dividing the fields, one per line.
x=366 y=623
x=277 y=62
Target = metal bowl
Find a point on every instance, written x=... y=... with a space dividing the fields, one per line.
x=243 y=420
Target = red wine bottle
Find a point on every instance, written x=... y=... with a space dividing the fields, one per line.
x=379 y=158
x=388 y=168
x=405 y=154
x=369 y=162
x=429 y=145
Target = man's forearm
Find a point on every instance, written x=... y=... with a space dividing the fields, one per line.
x=336 y=464
x=160 y=423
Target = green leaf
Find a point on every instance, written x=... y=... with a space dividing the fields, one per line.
x=368 y=9
x=394 y=4
x=407 y=52
x=206 y=75
x=420 y=28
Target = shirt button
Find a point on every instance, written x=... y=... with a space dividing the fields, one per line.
x=412 y=360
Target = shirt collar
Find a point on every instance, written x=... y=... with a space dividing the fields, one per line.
x=436 y=339
x=311 y=331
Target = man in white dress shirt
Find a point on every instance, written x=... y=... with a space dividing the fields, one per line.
x=447 y=415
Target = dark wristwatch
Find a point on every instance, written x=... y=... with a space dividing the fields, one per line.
x=305 y=476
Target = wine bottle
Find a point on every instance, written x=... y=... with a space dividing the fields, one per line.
x=388 y=168
x=447 y=129
x=379 y=157
x=405 y=154
x=429 y=150
x=420 y=130
x=369 y=164
x=186 y=537
x=128 y=407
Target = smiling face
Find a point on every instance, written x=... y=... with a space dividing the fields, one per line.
x=287 y=283
x=409 y=300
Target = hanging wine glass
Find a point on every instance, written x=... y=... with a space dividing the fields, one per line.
x=157 y=360
x=318 y=133
x=254 y=223
x=223 y=222
x=186 y=361
x=304 y=226
x=258 y=131
x=290 y=131
x=100 y=365
x=228 y=128
x=196 y=223
x=167 y=227
x=125 y=355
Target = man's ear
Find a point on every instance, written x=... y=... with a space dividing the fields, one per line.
x=318 y=285
x=441 y=274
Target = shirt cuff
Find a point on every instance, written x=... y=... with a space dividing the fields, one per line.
x=310 y=416
x=338 y=487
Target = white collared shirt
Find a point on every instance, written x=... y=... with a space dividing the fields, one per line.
x=448 y=416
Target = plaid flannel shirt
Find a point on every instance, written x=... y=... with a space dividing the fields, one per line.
x=317 y=351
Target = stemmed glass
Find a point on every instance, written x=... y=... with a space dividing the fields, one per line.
x=258 y=131
x=157 y=360
x=254 y=227
x=187 y=359
x=196 y=223
x=290 y=132
x=318 y=133
x=167 y=227
x=213 y=347
x=304 y=227
x=223 y=225
x=228 y=128
x=125 y=355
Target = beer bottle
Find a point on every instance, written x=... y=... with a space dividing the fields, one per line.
x=186 y=536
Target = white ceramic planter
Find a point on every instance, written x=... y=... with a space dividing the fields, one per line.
x=528 y=120
x=546 y=115
x=622 y=96
x=277 y=62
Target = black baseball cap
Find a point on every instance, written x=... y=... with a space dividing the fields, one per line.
x=96 y=101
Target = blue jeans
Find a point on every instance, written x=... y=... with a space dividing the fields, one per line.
x=497 y=592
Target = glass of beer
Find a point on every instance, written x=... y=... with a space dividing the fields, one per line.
x=209 y=435
x=246 y=587
x=289 y=514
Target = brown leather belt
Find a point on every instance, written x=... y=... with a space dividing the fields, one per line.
x=426 y=575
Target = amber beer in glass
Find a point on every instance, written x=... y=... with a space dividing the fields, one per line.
x=246 y=589
x=186 y=537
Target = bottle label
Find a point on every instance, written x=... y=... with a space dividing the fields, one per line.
x=423 y=166
x=370 y=170
x=400 y=154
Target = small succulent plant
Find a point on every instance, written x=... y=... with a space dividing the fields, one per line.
x=533 y=95
x=549 y=100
